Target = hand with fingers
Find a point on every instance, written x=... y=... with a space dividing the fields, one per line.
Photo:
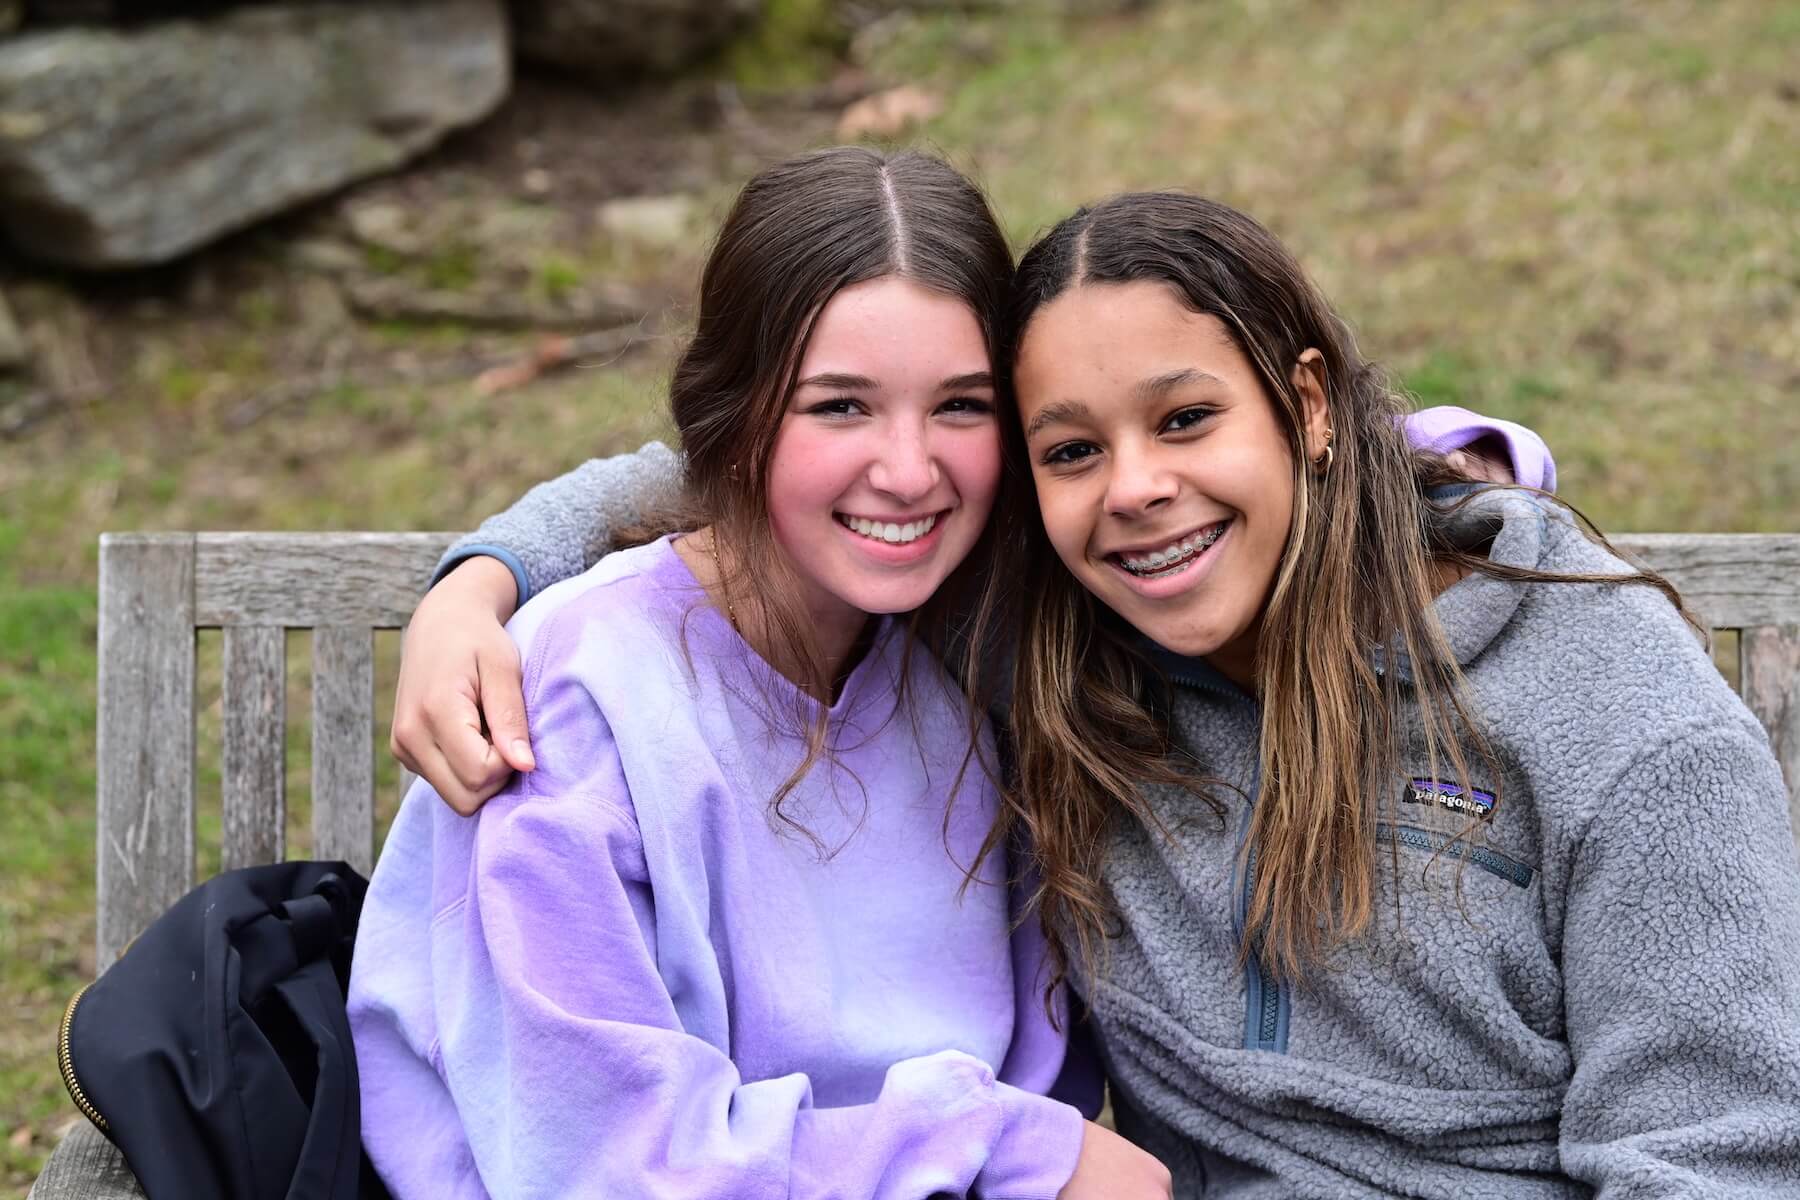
x=1483 y=461
x=459 y=710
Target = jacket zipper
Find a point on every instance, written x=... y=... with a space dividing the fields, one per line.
x=1267 y=1001
x=65 y=1062
x=1491 y=861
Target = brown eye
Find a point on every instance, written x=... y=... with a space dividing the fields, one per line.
x=1187 y=418
x=1069 y=453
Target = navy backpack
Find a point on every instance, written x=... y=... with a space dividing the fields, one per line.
x=216 y=1054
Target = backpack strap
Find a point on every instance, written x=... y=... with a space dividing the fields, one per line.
x=313 y=921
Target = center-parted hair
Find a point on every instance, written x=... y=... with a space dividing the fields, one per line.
x=800 y=232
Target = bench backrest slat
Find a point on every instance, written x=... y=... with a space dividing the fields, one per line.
x=1769 y=666
x=343 y=759
x=156 y=590
x=1731 y=580
x=305 y=580
x=252 y=767
x=144 y=857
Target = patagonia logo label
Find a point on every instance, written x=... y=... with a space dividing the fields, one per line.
x=1444 y=794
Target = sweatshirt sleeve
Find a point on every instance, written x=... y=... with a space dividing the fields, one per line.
x=1446 y=428
x=1050 y=1055
x=1681 y=968
x=563 y=526
x=572 y=1074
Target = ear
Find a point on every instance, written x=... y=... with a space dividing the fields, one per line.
x=1315 y=410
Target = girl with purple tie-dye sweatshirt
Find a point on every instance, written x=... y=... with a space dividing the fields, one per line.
x=729 y=939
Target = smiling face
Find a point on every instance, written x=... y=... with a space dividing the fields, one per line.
x=885 y=466
x=1164 y=475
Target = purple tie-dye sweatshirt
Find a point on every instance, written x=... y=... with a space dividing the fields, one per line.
x=625 y=977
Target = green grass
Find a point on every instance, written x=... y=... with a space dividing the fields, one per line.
x=556 y=277
x=46 y=840
x=793 y=44
x=1578 y=215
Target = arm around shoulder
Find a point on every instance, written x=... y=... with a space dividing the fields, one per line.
x=563 y=526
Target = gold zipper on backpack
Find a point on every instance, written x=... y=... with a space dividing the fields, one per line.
x=65 y=1062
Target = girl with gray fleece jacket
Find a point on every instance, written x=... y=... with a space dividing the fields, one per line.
x=1448 y=866
x=1536 y=933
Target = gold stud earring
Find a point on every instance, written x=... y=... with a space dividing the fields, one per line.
x=1324 y=461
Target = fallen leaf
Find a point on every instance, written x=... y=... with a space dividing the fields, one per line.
x=888 y=113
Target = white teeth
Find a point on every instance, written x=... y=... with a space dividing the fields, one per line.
x=889 y=532
x=1159 y=560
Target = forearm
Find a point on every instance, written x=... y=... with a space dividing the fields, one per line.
x=563 y=526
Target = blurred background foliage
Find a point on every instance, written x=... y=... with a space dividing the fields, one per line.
x=1581 y=215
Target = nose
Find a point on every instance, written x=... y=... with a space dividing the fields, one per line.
x=905 y=468
x=1138 y=485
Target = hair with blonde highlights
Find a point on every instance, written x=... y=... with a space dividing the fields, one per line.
x=1358 y=576
x=799 y=232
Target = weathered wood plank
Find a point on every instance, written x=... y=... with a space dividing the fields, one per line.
x=253 y=757
x=1732 y=580
x=1769 y=659
x=85 y=1166
x=343 y=750
x=307 y=580
x=302 y=580
x=144 y=856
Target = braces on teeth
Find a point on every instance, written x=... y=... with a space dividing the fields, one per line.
x=889 y=532
x=1161 y=560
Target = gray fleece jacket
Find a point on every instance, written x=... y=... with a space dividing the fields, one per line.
x=1611 y=1005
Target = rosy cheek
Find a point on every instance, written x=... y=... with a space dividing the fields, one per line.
x=974 y=463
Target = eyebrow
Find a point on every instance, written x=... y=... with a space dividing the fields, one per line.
x=840 y=382
x=974 y=379
x=1158 y=386
x=1050 y=414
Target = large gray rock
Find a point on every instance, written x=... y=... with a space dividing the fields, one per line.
x=607 y=39
x=124 y=148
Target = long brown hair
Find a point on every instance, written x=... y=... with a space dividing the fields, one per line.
x=799 y=232
x=1357 y=581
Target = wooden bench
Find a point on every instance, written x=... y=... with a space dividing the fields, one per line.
x=158 y=590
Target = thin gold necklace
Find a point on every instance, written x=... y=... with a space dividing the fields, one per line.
x=724 y=593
